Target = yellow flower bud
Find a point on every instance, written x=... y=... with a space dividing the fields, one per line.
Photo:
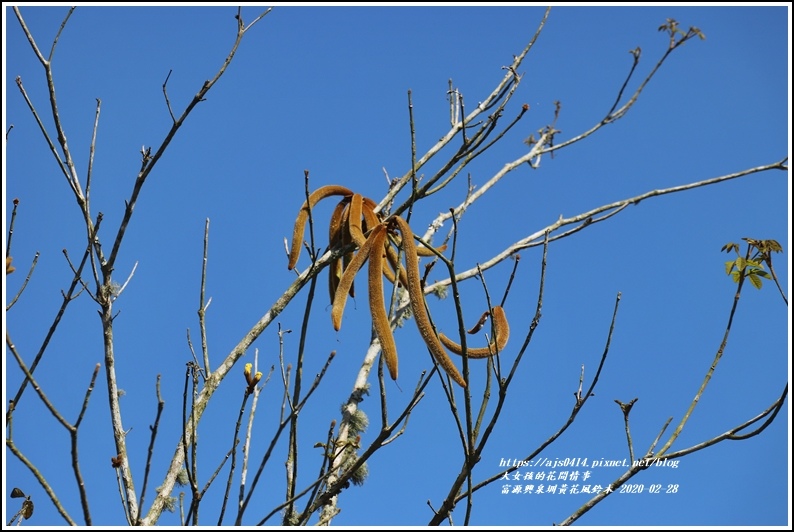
x=252 y=382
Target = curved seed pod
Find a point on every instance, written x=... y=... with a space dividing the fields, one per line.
x=370 y=204
x=418 y=304
x=361 y=206
x=377 y=305
x=340 y=298
x=480 y=323
x=335 y=225
x=394 y=265
x=354 y=219
x=421 y=251
x=371 y=220
x=303 y=215
x=501 y=332
x=336 y=238
x=346 y=241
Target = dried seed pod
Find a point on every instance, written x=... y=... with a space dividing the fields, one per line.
x=416 y=295
x=501 y=333
x=303 y=216
x=340 y=298
x=377 y=305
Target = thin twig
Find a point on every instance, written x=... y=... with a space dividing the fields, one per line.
x=640 y=465
x=91 y=152
x=535 y=239
x=496 y=95
x=24 y=283
x=150 y=453
x=67 y=298
x=202 y=310
x=165 y=94
x=712 y=366
x=73 y=431
x=11 y=226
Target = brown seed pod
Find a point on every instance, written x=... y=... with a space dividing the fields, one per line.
x=377 y=305
x=303 y=216
x=340 y=298
x=501 y=332
x=338 y=235
x=416 y=295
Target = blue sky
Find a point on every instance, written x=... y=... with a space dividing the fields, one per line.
x=324 y=89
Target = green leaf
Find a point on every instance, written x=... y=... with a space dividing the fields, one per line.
x=730 y=246
x=729 y=266
x=755 y=280
x=760 y=272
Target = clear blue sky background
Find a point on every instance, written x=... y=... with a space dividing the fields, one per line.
x=325 y=89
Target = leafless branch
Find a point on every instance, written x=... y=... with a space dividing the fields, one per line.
x=535 y=239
